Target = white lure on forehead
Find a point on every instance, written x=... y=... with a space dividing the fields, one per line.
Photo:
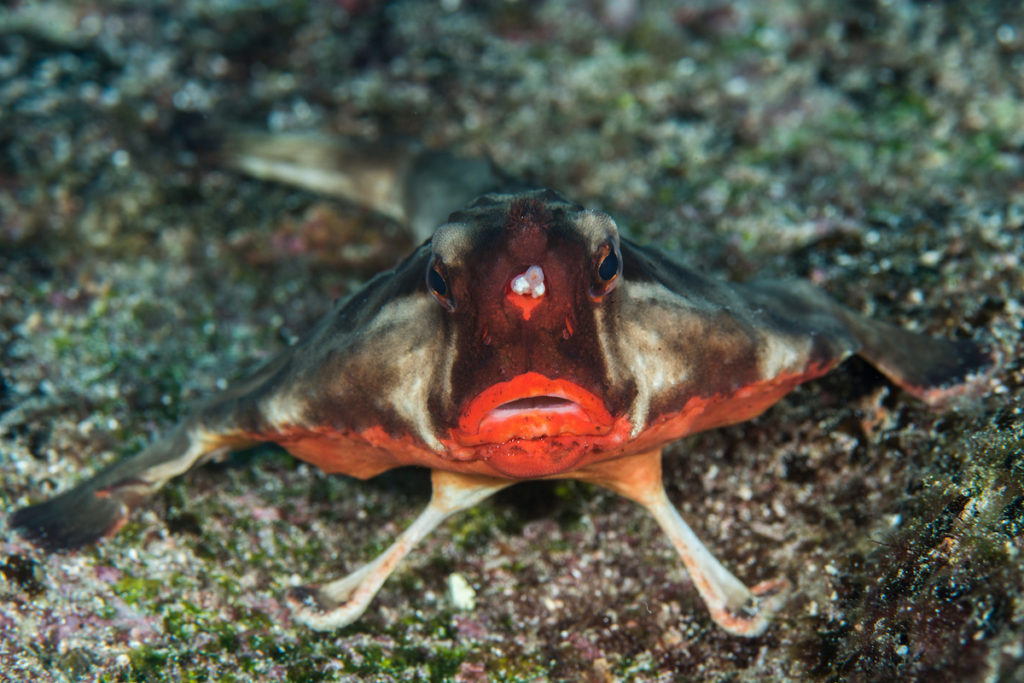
x=529 y=283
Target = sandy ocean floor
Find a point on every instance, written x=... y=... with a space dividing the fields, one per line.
x=875 y=148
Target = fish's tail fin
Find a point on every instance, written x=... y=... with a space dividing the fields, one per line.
x=400 y=178
x=368 y=174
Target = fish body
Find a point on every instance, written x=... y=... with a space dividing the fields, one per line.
x=525 y=339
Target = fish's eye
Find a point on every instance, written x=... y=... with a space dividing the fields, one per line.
x=608 y=268
x=438 y=285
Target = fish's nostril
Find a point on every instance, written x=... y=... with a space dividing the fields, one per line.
x=529 y=283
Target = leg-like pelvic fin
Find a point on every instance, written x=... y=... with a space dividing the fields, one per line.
x=737 y=609
x=341 y=602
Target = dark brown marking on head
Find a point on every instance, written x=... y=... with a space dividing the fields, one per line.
x=500 y=238
x=528 y=214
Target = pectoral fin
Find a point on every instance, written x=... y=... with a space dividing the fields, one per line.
x=936 y=371
x=100 y=506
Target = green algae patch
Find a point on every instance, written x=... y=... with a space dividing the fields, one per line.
x=140 y=590
x=435 y=664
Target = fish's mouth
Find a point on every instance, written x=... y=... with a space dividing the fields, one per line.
x=532 y=406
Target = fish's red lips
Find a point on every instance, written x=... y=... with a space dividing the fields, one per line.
x=532 y=426
x=532 y=406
